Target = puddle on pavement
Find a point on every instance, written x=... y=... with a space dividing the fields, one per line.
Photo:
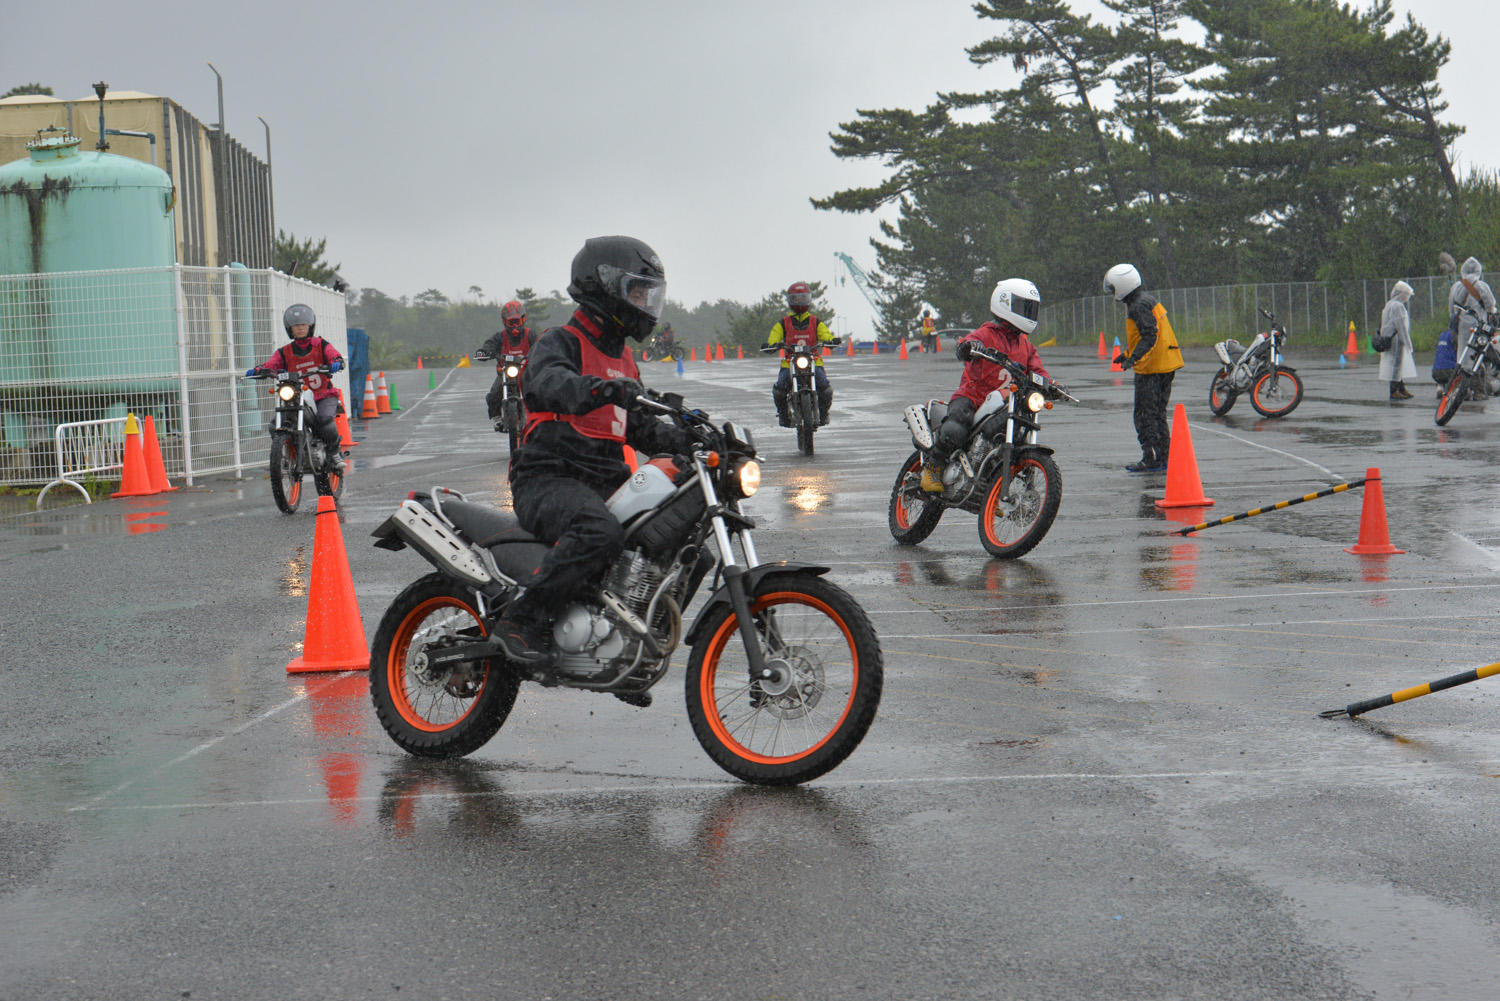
x=294 y=574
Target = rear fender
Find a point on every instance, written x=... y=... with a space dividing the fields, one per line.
x=753 y=579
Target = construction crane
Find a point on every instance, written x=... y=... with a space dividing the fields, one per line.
x=861 y=281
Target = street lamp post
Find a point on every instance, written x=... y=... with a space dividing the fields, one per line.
x=270 y=191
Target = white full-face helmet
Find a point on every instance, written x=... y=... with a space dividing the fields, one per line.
x=1017 y=302
x=1121 y=280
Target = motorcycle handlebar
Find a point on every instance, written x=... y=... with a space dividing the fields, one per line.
x=265 y=373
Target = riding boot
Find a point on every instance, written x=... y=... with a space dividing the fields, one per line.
x=783 y=408
x=524 y=631
x=825 y=403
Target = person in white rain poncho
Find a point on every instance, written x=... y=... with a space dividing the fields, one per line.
x=1396 y=363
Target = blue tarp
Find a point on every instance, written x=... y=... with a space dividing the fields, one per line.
x=359 y=367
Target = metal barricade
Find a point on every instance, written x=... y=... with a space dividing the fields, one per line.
x=85 y=447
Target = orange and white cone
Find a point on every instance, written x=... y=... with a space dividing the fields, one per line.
x=334 y=637
x=368 y=410
x=382 y=395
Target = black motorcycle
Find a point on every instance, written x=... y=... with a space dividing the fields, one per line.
x=296 y=449
x=803 y=398
x=1002 y=473
x=784 y=674
x=512 y=419
x=1275 y=388
x=1473 y=375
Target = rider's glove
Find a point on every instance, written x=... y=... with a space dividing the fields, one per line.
x=252 y=372
x=1126 y=362
x=964 y=351
x=617 y=391
x=336 y=365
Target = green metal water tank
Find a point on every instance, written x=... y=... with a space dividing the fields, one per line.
x=65 y=216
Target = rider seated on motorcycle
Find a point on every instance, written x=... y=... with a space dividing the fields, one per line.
x=580 y=382
x=800 y=327
x=1015 y=305
x=515 y=338
x=1471 y=291
x=305 y=353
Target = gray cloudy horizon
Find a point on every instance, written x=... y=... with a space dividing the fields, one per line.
x=456 y=144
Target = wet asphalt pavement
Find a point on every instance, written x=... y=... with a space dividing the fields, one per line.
x=1097 y=772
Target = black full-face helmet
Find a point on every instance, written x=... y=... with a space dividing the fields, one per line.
x=299 y=313
x=622 y=279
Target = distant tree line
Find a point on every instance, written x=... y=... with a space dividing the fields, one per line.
x=1207 y=142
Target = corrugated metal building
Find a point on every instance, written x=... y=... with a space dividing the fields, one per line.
x=224 y=212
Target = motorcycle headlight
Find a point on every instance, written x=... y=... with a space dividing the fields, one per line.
x=287 y=392
x=512 y=371
x=747 y=477
x=802 y=361
x=1035 y=401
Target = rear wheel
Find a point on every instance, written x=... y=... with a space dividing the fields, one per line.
x=286 y=473
x=330 y=483
x=1454 y=395
x=1013 y=524
x=826 y=681
x=1221 y=393
x=1276 y=393
x=913 y=514
x=437 y=712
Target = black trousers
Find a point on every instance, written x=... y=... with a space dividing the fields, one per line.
x=572 y=516
x=495 y=397
x=1153 y=392
x=954 y=430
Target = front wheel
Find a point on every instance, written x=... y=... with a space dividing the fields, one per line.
x=1276 y=392
x=286 y=473
x=1013 y=524
x=1221 y=393
x=436 y=712
x=827 y=676
x=807 y=420
x=1454 y=395
x=913 y=514
x=514 y=420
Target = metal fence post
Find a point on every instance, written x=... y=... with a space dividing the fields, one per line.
x=234 y=393
x=182 y=373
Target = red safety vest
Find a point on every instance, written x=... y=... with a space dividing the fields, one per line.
x=521 y=346
x=315 y=358
x=795 y=335
x=608 y=421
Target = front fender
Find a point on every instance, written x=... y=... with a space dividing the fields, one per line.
x=753 y=580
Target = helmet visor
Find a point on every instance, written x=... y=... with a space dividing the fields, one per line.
x=1029 y=309
x=647 y=294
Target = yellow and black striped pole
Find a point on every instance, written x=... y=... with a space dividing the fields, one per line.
x=1274 y=507
x=1354 y=709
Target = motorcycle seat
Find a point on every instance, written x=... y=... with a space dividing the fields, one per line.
x=517 y=552
x=1235 y=348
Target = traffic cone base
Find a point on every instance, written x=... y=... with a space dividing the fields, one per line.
x=334 y=637
x=156 y=470
x=1184 y=488
x=135 y=480
x=1374 y=536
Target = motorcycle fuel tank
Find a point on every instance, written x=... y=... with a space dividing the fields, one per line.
x=646 y=488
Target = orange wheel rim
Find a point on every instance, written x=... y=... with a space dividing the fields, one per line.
x=728 y=631
x=992 y=501
x=395 y=667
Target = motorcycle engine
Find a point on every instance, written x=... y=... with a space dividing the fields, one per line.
x=583 y=630
x=1242 y=377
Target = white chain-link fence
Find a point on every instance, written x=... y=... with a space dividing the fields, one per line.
x=1316 y=313
x=170 y=342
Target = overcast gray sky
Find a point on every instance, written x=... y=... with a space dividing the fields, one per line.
x=450 y=144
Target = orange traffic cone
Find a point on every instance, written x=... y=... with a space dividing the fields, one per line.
x=341 y=421
x=1114 y=364
x=1352 y=348
x=692 y=354
x=739 y=352
x=904 y=356
x=849 y=347
x=419 y=361
x=1374 y=537
x=827 y=351
x=334 y=637
x=1184 y=488
x=937 y=344
x=382 y=395
x=719 y=356
x=135 y=480
x=1103 y=350
x=368 y=410
x=708 y=352
x=156 y=470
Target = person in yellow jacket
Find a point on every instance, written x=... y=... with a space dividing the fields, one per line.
x=800 y=326
x=1153 y=353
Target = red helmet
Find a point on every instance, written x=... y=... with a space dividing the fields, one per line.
x=514 y=314
x=799 y=296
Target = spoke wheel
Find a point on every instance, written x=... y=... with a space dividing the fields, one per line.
x=431 y=712
x=1454 y=395
x=514 y=419
x=913 y=514
x=1012 y=525
x=286 y=473
x=1276 y=393
x=819 y=704
x=1221 y=393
